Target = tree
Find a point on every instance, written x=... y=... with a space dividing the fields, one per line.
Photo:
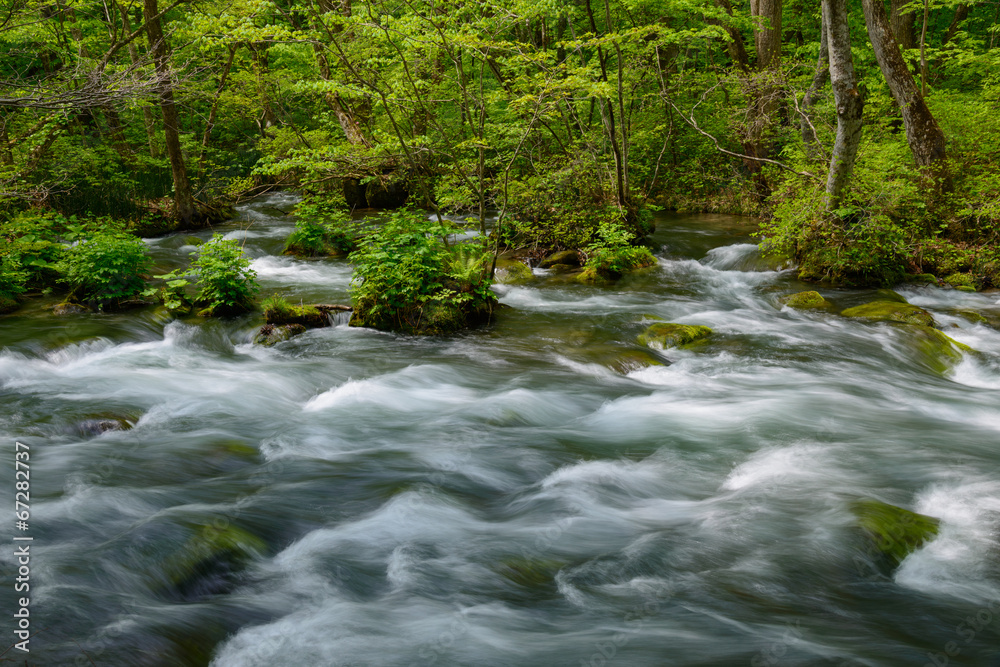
x=847 y=98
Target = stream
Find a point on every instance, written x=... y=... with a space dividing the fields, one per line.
x=531 y=493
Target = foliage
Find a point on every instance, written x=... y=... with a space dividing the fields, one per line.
x=408 y=276
x=12 y=280
x=614 y=254
x=321 y=228
x=105 y=268
x=226 y=283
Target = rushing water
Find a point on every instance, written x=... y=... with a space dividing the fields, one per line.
x=525 y=494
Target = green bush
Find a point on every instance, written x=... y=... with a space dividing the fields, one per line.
x=106 y=268
x=614 y=254
x=226 y=283
x=407 y=277
x=321 y=228
x=12 y=279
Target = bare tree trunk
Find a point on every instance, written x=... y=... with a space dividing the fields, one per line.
x=347 y=122
x=183 y=198
x=923 y=134
x=961 y=13
x=903 y=24
x=809 y=137
x=848 y=100
x=267 y=118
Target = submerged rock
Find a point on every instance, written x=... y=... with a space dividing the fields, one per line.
x=972 y=316
x=210 y=561
x=69 y=308
x=669 y=334
x=271 y=334
x=568 y=257
x=805 y=300
x=98 y=425
x=935 y=349
x=891 y=311
x=893 y=531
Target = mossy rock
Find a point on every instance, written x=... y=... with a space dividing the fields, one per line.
x=310 y=317
x=563 y=268
x=8 y=305
x=805 y=301
x=208 y=563
x=960 y=280
x=193 y=240
x=632 y=360
x=891 y=311
x=568 y=257
x=922 y=278
x=70 y=308
x=669 y=334
x=513 y=272
x=271 y=334
x=431 y=318
x=893 y=531
x=890 y=295
x=972 y=316
x=966 y=288
x=532 y=573
x=102 y=424
x=937 y=350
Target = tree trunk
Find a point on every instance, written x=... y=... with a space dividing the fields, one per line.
x=183 y=198
x=923 y=134
x=903 y=24
x=347 y=122
x=215 y=109
x=809 y=137
x=767 y=38
x=847 y=98
x=267 y=119
x=736 y=47
x=961 y=13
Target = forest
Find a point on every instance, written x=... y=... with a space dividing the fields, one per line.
x=865 y=137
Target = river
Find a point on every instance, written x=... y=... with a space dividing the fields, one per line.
x=525 y=494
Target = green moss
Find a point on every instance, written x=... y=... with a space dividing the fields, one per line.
x=8 y=305
x=922 y=278
x=805 y=300
x=668 y=334
x=935 y=349
x=890 y=295
x=972 y=316
x=571 y=257
x=966 y=288
x=271 y=334
x=210 y=555
x=530 y=572
x=893 y=531
x=891 y=311
x=278 y=312
x=959 y=280
x=513 y=272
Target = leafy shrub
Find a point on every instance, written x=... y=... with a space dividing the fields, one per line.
x=321 y=228
x=614 y=254
x=226 y=283
x=408 y=278
x=12 y=279
x=106 y=268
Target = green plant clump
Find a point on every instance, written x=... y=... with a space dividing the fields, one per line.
x=613 y=255
x=409 y=278
x=226 y=283
x=106 y=268
x=12 y=280
x=321 y=228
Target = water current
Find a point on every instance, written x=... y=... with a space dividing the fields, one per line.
x=525 y=494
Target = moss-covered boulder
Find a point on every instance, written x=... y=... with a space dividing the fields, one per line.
x=961 y=280
x=893 y=532
x=271 y=334
x=97 y=425
x=805 y=301
x=70 y=308
x=669 y=334
x=922 y=278
x=972 y=316
x=890 y=295
x=568 y=257
x=8 y=305
x=210 y=561
x=513 y=272
x=935 y=349
x=891 y=311
x=431 y=318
